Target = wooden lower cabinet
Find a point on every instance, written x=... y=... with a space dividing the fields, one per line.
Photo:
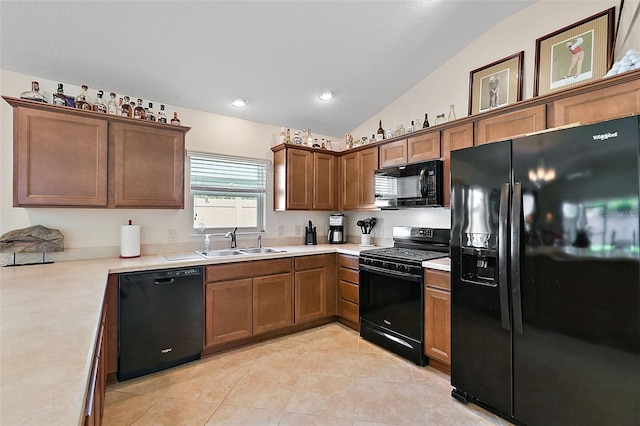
x=272 y=303
x=94 y=407
x=228 y=311
x=437 y=319
x=315 y=289
x=245 y=299
x=348 y=291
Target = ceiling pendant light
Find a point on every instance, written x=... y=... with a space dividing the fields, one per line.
x=239 y=102
x=325 y=95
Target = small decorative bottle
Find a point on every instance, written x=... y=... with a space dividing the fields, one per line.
x=162 y=116
x=175 y=120
x=452 y=113
x=99 y=105
x=288 y=136
x=309 y=138
x=426 y=121
x=59 y=98
x=138 y=111
x=126 y=110
x=34 y=94
x=380 y=133
x=112 y=105
x=410 y=127
x=440 y=119
x=83 y=100
x=151 y=116
x=283 y=135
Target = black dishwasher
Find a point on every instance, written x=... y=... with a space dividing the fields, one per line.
x=160 y=320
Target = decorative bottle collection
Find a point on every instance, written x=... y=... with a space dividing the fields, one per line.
x=123 y=107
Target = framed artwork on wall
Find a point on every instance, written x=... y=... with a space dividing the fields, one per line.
x=496 y=85
x=574 y=55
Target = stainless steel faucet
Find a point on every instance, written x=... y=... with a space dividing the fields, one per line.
x=232 y=235
x=259 y=241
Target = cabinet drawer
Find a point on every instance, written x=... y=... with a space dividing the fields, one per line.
x=348 y=261
x=238 y=270
x=348 y=291
x=439 y=279
x=349 y=275
x=349 y=311
x=310 y=262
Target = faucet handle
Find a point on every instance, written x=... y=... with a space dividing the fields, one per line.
x=259 y=241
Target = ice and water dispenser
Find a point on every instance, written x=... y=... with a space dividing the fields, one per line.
x=479 y=258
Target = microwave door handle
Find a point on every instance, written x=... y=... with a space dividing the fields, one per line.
x=503 y=238
x=423 y=183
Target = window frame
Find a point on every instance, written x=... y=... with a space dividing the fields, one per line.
x=261 y=195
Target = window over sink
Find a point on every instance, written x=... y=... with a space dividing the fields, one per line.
x=227 y=192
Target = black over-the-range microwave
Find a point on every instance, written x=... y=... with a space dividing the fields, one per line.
x=411 y=185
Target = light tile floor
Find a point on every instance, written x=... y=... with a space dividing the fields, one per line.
x=324 y=376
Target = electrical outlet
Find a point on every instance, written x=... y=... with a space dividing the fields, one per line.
x=173 y=234
x=280 y=230
x=298 y=230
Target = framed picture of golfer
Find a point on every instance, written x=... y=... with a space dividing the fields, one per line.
x=496 y=85
x=575 y=54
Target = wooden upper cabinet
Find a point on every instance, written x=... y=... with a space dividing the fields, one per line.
x=59 y=159
x=299 y=179
x=511 y=124
x=303 y=179
x=148 y=166
x=414 y=149
x=393 y=153
x=325 y=176
x=65 y=157
x=368 y=164
x=423 y=147
x=453 y=138
x=603 y=104
x=349 y=181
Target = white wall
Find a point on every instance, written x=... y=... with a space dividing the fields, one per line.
x=96 y=232
x=449 y=84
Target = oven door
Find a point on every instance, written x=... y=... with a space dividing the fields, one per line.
x=391 y=310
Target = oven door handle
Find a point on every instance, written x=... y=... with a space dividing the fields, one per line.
x=390 y=273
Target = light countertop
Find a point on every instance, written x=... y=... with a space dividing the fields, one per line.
x=49 y=318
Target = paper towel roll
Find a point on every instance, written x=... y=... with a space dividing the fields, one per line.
x=130 y=241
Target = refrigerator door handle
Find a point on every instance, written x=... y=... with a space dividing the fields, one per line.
x=516 y=221
x=503 y=230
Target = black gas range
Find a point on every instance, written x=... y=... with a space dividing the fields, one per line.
x=392 y=290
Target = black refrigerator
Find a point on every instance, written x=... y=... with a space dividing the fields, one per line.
x=545 y=276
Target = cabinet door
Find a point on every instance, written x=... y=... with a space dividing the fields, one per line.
x=324 y=181
x=272 y=302
x=299 y=179
x=310 y=295
x=349 y=182
x=228 y=311
x=423 y=147
x=59 y=159
x=515 y=123
x=604 y=104
x=437 y=330
x=393 y=154
x=368 y=164
x=148 y=166
x=454 y=138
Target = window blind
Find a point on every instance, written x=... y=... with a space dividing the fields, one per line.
x=227 y=174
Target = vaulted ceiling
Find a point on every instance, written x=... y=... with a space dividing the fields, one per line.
x=277 y=54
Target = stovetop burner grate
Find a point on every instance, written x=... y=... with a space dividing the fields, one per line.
x=402 y=254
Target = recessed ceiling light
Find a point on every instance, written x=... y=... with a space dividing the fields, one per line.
x=325 y=95
x=239 y=101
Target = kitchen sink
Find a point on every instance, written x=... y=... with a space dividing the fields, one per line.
x=259 y=250
x=220 y=253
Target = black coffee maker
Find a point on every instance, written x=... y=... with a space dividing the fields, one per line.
x=310 y=236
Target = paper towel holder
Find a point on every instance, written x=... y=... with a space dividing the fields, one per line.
x=135 y=252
